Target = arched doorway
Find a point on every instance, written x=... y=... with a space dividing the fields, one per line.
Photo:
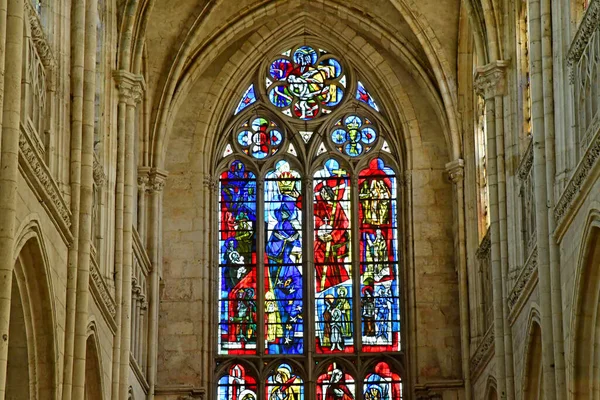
x=17 y=374
x=93 y=380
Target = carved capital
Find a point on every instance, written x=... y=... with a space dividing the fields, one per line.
x=456 y=170
x=156 y=180
x=131 y=87
x=490 y=79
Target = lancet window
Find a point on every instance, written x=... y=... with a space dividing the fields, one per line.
x=309 y=261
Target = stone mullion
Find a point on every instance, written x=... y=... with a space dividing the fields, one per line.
x=142 y=182
x=260 y=266
x=355 y=260
x=77 y=82
x=87 y=183
x=541 y=198
x=308 y=276
x=155 y=189
x=456 y=171
x=9 y=160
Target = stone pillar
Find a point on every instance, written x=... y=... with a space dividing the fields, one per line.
x=540 y=179
x=77 y=82
x=9 y=168
x=489 y=81
x=457 y=174
x=142 y=181
x=155 y=190
x=86 y=201
x=130 y=88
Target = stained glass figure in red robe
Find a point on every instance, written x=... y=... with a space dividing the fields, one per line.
x=335 y=384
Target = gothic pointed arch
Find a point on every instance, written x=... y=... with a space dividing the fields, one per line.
x=308 y=233
x=532 y=385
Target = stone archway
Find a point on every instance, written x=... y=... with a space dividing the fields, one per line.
x=585 y=381
x=18 y=379
x=32 y=345
x=93 y=368
x=532 y=378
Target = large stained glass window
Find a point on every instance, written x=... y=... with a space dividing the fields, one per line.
x=309 y=255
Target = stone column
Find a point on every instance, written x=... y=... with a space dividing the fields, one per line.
x=77 y=79
x=86 y=201
x=9 y=168
x=457 y=174
x=142 y=181
x=130 y=88
x=155 y=190
x=489 y=80
x=541 y=198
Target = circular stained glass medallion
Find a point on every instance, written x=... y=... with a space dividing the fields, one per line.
x=354 y=135
x=260 y=137
x=305 y=83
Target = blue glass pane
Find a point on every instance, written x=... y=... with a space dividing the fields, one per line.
x=247 y=99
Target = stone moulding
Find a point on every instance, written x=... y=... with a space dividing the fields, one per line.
x=523 y=287
x=36 y=173
x=589 y=23
x=526 y=163
x=578 y=183
x=102 y=296
x=39 y=37
x=140 y=254
x=483 y=354
x=139 y=375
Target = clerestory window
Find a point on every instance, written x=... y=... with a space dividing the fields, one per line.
x=309 y=273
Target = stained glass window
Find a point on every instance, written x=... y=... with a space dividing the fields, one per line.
x=237 y=243
x=363 y=95
x=305 y=83
x=380 y=295
x=333 y=268
x=354 y=135
x=248 y=98
x=308 y=246
x=381 y=383
x=237 y=384
x=283 y=384
x=259 y=137
x=335 y=384
x=283 y=267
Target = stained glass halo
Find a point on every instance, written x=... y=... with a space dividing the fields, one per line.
x=305 y=82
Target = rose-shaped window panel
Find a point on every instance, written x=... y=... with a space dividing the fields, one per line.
x=354 y=135
x=305 y=83
x=260 y=137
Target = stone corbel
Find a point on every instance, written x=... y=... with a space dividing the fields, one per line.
x=490 y=79
x=456 y=170
x=131 y=86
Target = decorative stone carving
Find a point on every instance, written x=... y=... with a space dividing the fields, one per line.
x=526 y=163
x=483 y=252
x=490 y=79
x=156 y=181
x=102 y=290
x=39 y=37
x=131 y=87
x=456 y=170
x=590 y=22
x=483 y=353
x=523 y=279
x=49 y=189
x=99 y=175
x=577 y=180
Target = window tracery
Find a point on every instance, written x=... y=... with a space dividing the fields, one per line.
x=309 y=257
